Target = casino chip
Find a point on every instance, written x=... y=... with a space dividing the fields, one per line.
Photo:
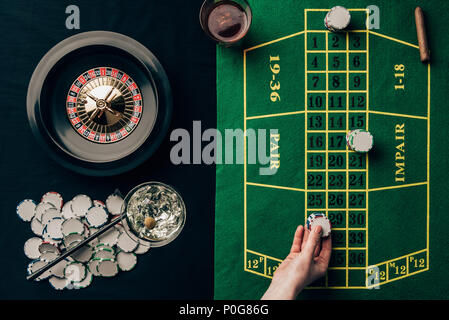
x=59 y=283
x=75 y=272
x=319 y=219
x=31 y=248
x=98 y=203
x=58 y=269
x=48 y=247
x=142 y=248
x=37 y=227
x=41 y=208
x=80 y=205
x=47 y=238
x=126 y=260
x=72 y=240
x=54 y=198
x=114 y=204
x=48 y=256
x=83 y=255
x=359 y=140
x=72 y=225
x=96 y=217
x=66 y=211
x=337 y=19
x=49 y=214
x=36 y=265
x=110 y=237
x=53 y=228
x=86 y=282
x=95 y=241
x=60 y=227
x=26 y=209
x=92 y=265
x=104 y=254
x=126 y=243
x=107 y=268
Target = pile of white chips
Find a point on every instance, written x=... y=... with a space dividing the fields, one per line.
x=59 y=227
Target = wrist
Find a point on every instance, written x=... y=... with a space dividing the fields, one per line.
x=281 y=291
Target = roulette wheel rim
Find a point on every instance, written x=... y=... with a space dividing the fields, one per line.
x=52 y=132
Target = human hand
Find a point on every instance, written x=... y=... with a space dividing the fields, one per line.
x=307 y=261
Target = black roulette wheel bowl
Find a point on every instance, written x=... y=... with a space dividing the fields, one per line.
x=47 y=97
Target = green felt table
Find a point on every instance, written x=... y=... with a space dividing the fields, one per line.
x=387 y=208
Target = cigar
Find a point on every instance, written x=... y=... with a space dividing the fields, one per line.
x=421 y=33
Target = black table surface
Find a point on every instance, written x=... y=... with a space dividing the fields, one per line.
x=170 y=29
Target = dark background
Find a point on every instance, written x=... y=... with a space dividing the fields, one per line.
x=170 y=29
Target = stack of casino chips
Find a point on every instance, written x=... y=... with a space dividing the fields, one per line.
x=319 y=219
x=359 y=140
x=337 y=19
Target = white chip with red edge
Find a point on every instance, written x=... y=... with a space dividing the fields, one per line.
x=98 y=203
x=54 y=198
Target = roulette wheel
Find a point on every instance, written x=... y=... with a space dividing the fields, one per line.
x=99 y=103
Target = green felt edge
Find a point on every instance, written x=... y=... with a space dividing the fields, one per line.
x=431 y=284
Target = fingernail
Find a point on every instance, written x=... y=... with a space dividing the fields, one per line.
x=318 y=229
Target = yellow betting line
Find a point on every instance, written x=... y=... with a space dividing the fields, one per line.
x=275 y=115
x=367 y=157
x=399 y=186
x=273 y=186
x=394 y=39
x=428 y=163
x=398 y=115
x=274 y=41
x=258 y=273
x=244 y=165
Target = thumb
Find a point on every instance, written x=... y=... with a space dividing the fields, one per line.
x=312 y=242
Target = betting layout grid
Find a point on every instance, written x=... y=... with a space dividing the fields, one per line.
x=58 y=227
x=337 y=102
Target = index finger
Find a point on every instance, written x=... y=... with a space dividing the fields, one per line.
x=297 y=240
x=312 y=242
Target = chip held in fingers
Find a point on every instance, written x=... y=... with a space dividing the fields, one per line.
x=319 y=219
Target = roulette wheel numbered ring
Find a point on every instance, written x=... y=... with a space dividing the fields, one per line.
x=99 y=103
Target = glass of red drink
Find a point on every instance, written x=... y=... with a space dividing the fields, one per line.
x=225 y=21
